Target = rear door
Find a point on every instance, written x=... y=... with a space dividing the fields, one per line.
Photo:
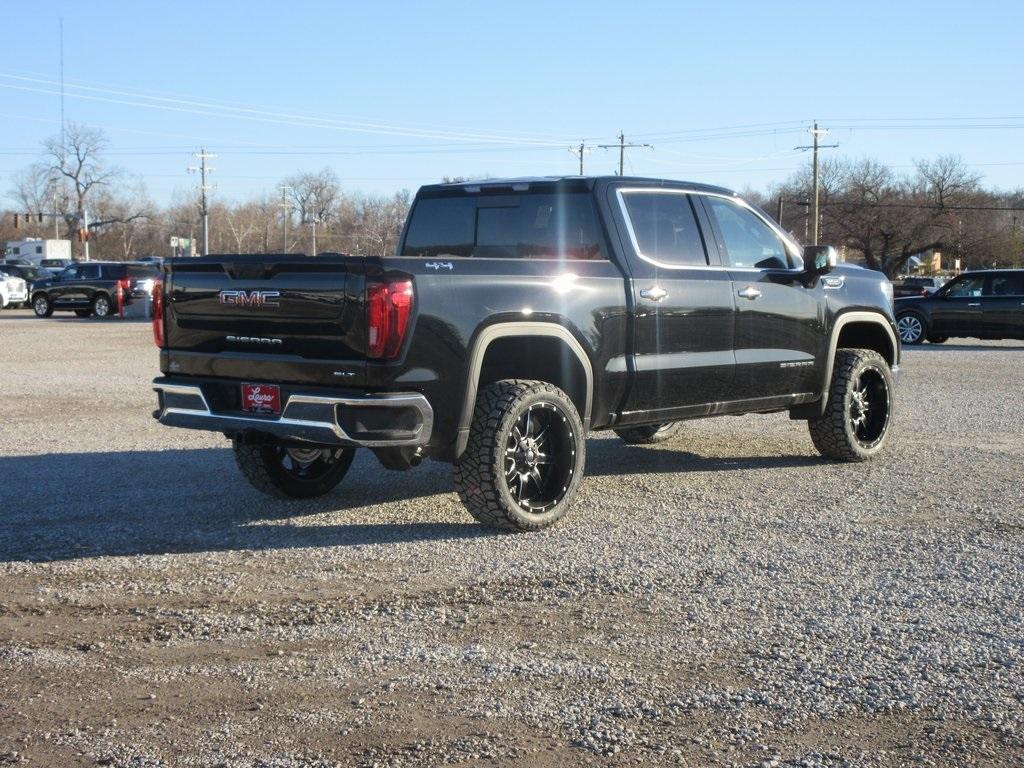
x=682 y=306
x=780 y=325
x=957 y=308
x=1003 y=305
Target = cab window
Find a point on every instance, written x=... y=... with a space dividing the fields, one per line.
x=744 y=239
x=664 y=227
x=966 y=287
x=1008 y=285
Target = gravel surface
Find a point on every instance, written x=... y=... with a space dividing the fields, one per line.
x=726 y=599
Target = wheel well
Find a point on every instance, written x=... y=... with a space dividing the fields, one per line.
x=544 y=358
x=867 y=335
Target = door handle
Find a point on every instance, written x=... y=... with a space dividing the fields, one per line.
x=750 y=292
x=974 y=304
x=654 y=293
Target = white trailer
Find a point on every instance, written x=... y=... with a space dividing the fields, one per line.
x=35 y=249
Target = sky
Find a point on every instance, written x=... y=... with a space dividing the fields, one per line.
x=392 y=95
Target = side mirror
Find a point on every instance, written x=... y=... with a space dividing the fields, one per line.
x=820 y=259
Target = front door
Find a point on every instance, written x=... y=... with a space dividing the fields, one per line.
x=957 y=310
x=1003 y=305
x=682 y=307
x=780 y=325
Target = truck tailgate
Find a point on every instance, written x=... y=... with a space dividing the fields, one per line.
x=291 y=315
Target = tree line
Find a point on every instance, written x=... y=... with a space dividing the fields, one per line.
x=876 y=213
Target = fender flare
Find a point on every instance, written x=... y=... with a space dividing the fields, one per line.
x=843 y=320
x=502 y=330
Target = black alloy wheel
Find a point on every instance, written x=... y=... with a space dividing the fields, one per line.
x=540 y=457
x=869 y=407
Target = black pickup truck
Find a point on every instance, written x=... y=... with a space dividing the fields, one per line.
x=516 y=317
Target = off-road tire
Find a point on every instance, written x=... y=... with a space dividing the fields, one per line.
x=102 y=307
x=650 y=433
x=42 y=305
x=261 y=465
x=480 y=473
x=832 y=433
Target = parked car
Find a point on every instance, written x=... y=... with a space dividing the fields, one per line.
x=517 y=317
x=91 y=288
x=31 y=275
x=987 y=304
x=13 y=290
x=918 y=286
x=57 y=263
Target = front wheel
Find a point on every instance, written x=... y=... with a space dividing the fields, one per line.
x=650 y=434
x=858 y=409
x=41 y=306
x=911 y=328
x=525 y=457
x=289 y=472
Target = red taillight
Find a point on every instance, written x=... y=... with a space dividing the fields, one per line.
x=123 y=290
x=388 y=309
x=158 y=313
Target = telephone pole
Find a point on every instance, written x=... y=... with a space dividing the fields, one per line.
x=622 y=147
x=579 y=151
x=203 y=169
x=816 y=133
x=285 y=211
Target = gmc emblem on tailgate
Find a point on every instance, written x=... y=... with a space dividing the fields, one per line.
x=257 y=299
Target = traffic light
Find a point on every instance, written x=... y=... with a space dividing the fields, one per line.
x=17 y=221
x=39 y=217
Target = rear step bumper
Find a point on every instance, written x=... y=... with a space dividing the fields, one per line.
x=371 y=421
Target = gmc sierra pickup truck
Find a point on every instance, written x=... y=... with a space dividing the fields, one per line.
x=516 y=317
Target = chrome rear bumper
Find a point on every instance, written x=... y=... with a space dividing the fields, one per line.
x=307 y=418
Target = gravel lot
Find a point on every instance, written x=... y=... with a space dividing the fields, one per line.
x=728 y=599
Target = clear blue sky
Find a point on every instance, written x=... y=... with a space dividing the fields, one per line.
x=396 y=94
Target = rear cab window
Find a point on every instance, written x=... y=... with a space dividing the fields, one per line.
x=531 y=224
x=663 y=227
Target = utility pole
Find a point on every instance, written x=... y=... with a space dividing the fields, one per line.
x=778 y=216
x=56 y=225
x=816 y=133
x=623 y=146
x=579 y=151
x=85 y=239
x=285 y=211
x=204 y=210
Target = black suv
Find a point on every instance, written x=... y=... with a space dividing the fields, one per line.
x=984 y=305
x=93 y=288
x=516 y=317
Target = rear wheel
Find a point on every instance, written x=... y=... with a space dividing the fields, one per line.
x=858 y=411
x=101 y=306
x=911 y=328
x=41 y=306
x=288 y=472
x=650 y=434
x=525 y=457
